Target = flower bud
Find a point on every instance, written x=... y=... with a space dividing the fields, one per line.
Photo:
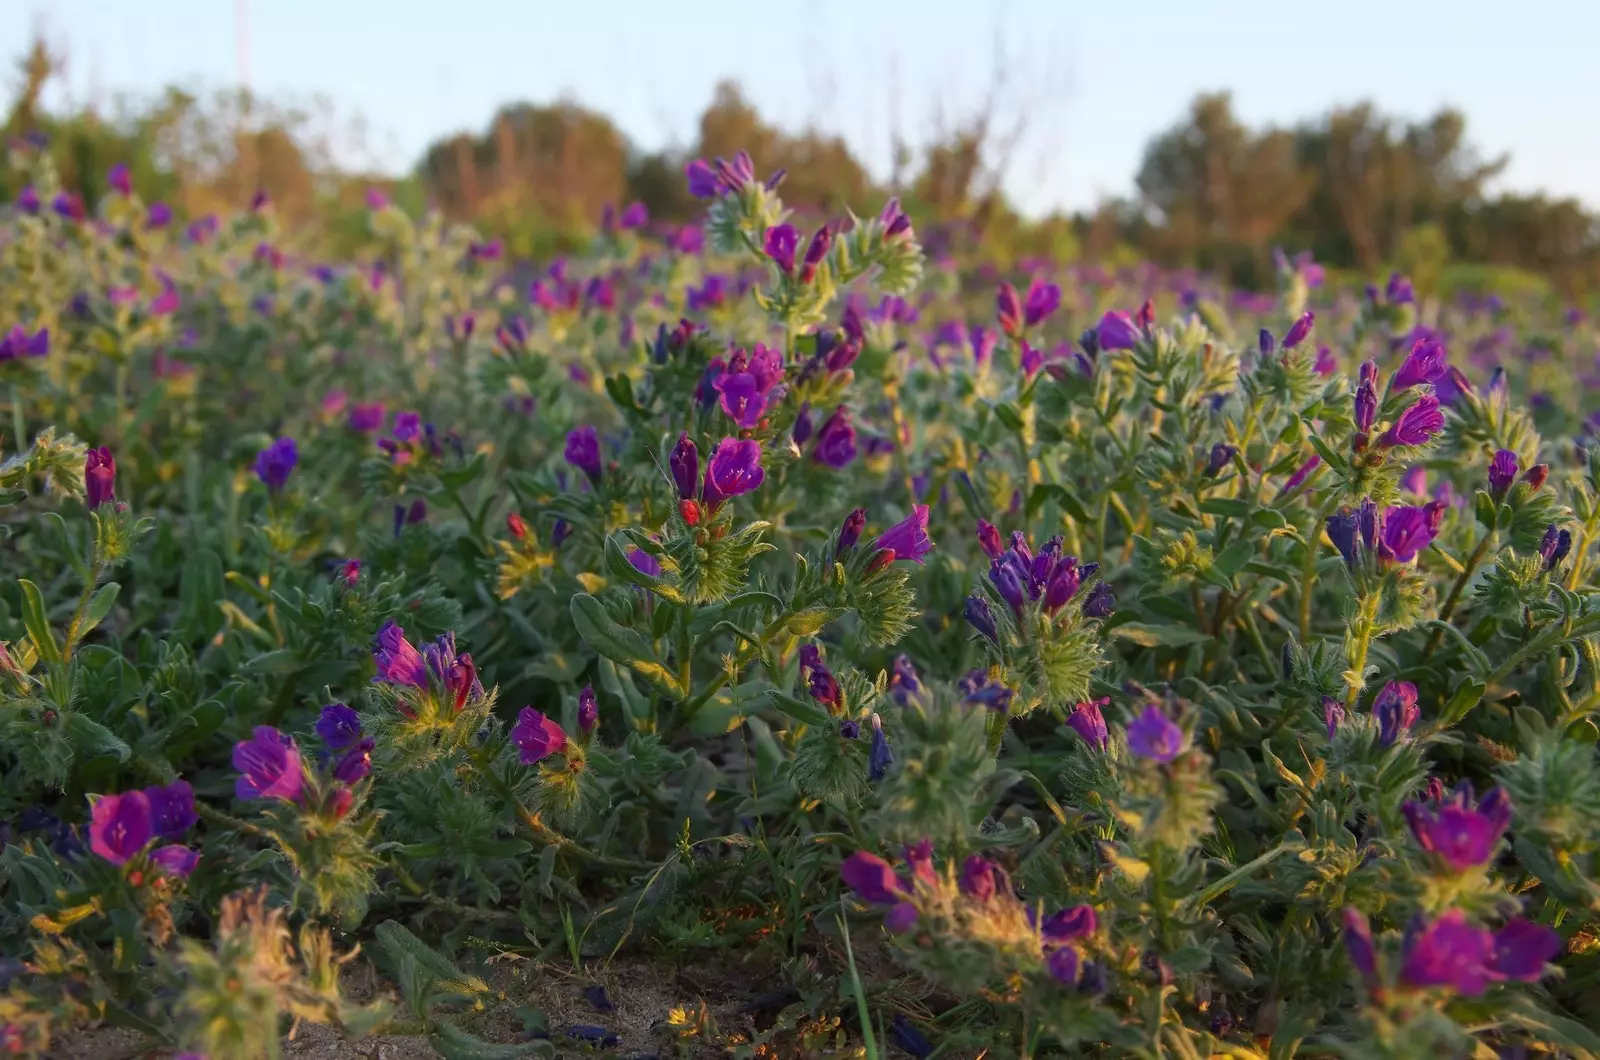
x=815 y=252
x=588 y=710
x=685 y=462
x=99 y=476
x=850 y=531
x=690 y=510
x=1536 y=475
x=518 y=528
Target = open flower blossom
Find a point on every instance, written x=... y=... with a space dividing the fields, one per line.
x=1116 y=331
x=17 y=344
x=583 y=452
x=874 y=880
x=781 y=244
x=1453 y=954
x=1089 y=723
x=1460 y=836
x=1502 y=471
x=119 y=826
x=269 y=766
x=99 y=477
x=1408 y=530
x=1425 y=363
x=836 y=440
x=1155 y=736
x=907 y=539
x=338 y=726
x=1416 y=425
x=1395 y=708
x=734 y=469
x=537 y=737
x=275 y=462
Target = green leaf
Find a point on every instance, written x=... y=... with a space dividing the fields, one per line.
x=397 y=943
x=452 y=1043
x=100 y=605
x=281 y=661
x=1231 y=560
x=1061 y=495
x=38 y=626
x=620 y=644
x=800 y=710
x=1232 y=507
x=1483 y=507
x=89 y=738
x=1161 y=636
x=1007 y=414
x=1462 y=700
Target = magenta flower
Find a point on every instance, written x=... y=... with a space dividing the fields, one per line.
x=583 y=452
x=1416 y=425
x=978 y=878
x=872 y=879
x=836 y=440
x=734 y=469
x=1065 y=925
x=158 y=216
x=713 y=180
x=1089 y=723
x=1395 y=707
x=1116 y=331
x=908 y=539
x=399 y=662
x=989 y=539
x=269 y=766
x=588 y=710
x=894 y=220
x=355 y=764
x=781 y=244
x=982 y=342
x=1424 y=364
x=1459 y=836
x=175 y=860
x=1408 y=530
x=120 y=179
x=119 y=826
x=816 y=250
x=166 y=303
x=537 y=737
x=1155 y=736
x=742 y=398
x=1298 y=479
x=99 y=477
x=1042 y=300
x=1299 y=330
x=1008 y=310
x=1453 y=954
x=1366 y=403
x=368 y=419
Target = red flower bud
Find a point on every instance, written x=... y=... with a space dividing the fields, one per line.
x=1536 y=475
x=518 y=528
x=880 y=561
x=690 y=510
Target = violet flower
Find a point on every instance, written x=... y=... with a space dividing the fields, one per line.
x=537 y=737
x=1155 y=736
x=1408 y=530
x=850 y=531
x=1554 y=546
x=989 y=539
x=1089 y=723
x=977 y=879
x=175 y=860
x=1008 y=310
x=1461 y=837
x=872 y=879
x=1395 y=708
x=338 y=726
x=1299 y=330
x=119 y=826
x=1042 y=300
x=1416 y=425
x=644 y=562
x=908 y=539
x=1332 y=715
x=1455 y=955
x=1221 y=456
x=275 y=462
x=836 y=440
x=17 y=344
x=172 y=809
x=1502 y=472
x=980 y=617
x=269 y=766
x=99 y=477
x=1100 y=603
x=903 y=680
x=398 y=661
x=1424 y=364
x=880 y=758
x=583 y=452
x=781 y=244
x=734 y=469
x=588 y=710
x=1116 y=331
x=685 y=464
x=355 y=764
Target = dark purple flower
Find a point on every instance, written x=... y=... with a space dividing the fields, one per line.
x=1063 y=965
x=99 y=477
x=894 y=220
x=158 y=216
x=1424 y=364
x=880 y=758
x=338 y=726
x=356 y=763
x=1042 y=300
x=1416 y=425
x=903 y=680
x=909 y=537
x=1065 y=925
x=175 y=860
x=1395 y=707
x=1342 y=530
x=588 y=710
x=120 y=179
x=1222 y=455
x=1502 y=471
x=1450 y=953
x=1116 y=331
x=1461 y=837
x=1089 y=723
x=734 y=469
x=268 y=765
x=1408 y=530
x=816 y=250
x=980 y=617
x=1155 y=736
x=18 y=343
x=836 y=440
x=781 y=243
x=685 y=464
x=172 y=809
x=1299 y=330
x=69 y=206
x=1332 y=714
x=1554 y=546
x=583 y=452
x=1062 y=586
x=989 y=539
x=537 y=737
x=982 y=341
x=1398 y=290
x=644 y=562
x=398 y=661
x=850 y=531
x=367 y=419
x=275 y=462
x=1521 y=950
x=1100 y=603
x=977 y=880
x=1265 y=343
x=119 y=826
x=871 y=878
x=28 y=200
x=980 y=691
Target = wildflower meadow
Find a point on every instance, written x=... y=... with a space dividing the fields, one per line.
x=765 y=638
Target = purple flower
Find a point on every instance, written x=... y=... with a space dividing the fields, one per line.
x=1298 y=479
x=172 y=809
x=721 y=177
x=1222 y=455
x=781 y=243
x=980 y=691
x=1554 y=546
x=1100 y=603
x=894 y=220
x=1450 y=953
x=1155 y=736
x=339 y=726
x=1116 y=331
x=989 y=539
x=1299 y=330
x=879 y=758
x=1042 y=300
x=1265 y=342
x=908 y=538
x=816 y=250
x=537 y=737
x=399 y=662
x=356 y=763
x=1522 y=948
x=1342 y=530
x=1416 y=425
x=1358 y=944
x=120 y=179
x=1332 y=714
x=836 y=440
x=583 y=452
x=872 y=879
x=644 y=562
x=1366 y=404
x=980 y=617
x=1458 y=835
x=119 y=826
x=1408 y=530
x=977 y=880
x=99 y=477
x=175 y=860
x=742 y=398
x=1424 y=364
x=275 y=462
x=1326 y=363
x=1502 y=471
x=685 y=464
x=734 y=469
x=1008 y=310
x=1064 y=925
x=1395 y=707
x=28 y=200
x=1089 y=723
x=588 y=710
x=268 y=765
x=636 y=215
x=983 y=342
x=18 y=343
x=903 y=680
x=367 y=419
x=1398 y=290
x=1063 y=965
x=158 y=216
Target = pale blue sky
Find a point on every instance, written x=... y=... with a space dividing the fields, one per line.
x=1098 y=79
